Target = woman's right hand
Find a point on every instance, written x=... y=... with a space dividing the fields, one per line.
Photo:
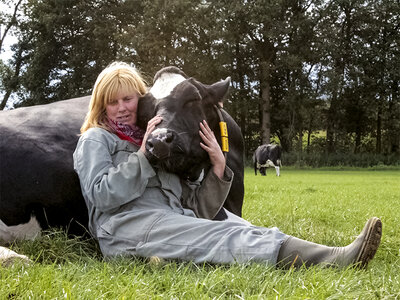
x=151 y=125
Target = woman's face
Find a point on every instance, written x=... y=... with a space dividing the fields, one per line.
x=123 y=108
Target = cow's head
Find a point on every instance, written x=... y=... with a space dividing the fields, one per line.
x=183 y=103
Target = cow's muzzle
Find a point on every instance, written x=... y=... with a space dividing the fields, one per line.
x=160 y=143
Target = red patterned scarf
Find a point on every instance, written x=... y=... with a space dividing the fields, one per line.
x=129 y=133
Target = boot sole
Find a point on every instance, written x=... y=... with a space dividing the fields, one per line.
x=371 y=242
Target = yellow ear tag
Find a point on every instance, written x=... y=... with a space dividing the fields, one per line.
x=224 y=137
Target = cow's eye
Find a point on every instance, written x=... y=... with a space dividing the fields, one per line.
x=190 y=103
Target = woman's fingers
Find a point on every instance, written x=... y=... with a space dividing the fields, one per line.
x=206 y=134
x=210 y=144
x=153 y=122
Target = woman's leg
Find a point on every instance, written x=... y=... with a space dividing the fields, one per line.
x=200 y=240
x=175 y=236
x=296 y=252
x=234 y=218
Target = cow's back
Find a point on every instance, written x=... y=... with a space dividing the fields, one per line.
x=36 y=167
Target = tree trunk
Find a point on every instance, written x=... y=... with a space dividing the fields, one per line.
x=330 y=127
x=5 y=99
x=14 y=81
x=241 y=101
x=300 y=145
x=378 y=148
x=358 y=140
x=265 y=103
x=10 y=24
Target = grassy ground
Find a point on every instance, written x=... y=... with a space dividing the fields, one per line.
x=328 y=207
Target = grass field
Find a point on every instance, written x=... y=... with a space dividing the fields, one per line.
x=328 y=207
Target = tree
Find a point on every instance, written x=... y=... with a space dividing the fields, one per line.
x=10 y=76
x=8 y=21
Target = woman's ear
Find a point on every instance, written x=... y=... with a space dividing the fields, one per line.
x=146 y=110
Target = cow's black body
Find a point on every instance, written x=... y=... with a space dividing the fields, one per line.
x=36 y=167
x=265 y=156
x=37 y=175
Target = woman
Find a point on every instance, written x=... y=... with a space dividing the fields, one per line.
x=135 y=209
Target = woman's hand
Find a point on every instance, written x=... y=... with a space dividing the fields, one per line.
x=213 y=149
x=150 y=127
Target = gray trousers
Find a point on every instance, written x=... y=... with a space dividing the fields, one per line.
x=171 y=235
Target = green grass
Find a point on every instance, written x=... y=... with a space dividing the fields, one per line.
x=323 y=206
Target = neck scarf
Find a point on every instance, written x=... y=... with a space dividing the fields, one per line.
x=129 y=133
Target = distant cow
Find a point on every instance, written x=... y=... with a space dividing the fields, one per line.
x=39 y=187
x=267 y=156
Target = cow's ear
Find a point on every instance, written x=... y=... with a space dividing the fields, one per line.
x=146 y=110
x=186 y=91
x=220 y=89
x=215 y=93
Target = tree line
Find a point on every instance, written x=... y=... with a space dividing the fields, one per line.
x=317 y=76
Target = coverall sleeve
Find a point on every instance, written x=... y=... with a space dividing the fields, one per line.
x=207 y=198
x=106 y=186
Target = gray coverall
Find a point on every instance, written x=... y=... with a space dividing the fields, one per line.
x=137 y=210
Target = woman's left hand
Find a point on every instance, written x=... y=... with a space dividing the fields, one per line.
x=210 y=144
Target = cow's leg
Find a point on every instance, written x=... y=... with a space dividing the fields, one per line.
x=27 y=231
x=277 y=171
x=9 y=257
x=9 y=234
x=263 y=171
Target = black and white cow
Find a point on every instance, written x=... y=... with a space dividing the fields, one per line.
x=38 y=186
x=174 y=145
x=267 y=156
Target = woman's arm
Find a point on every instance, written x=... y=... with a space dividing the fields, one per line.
x=207 y=199
x=106 y=186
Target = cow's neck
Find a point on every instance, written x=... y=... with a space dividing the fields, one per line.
x=223 y=131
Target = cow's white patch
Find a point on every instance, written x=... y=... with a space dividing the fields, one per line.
x=201 y=176
x=165 y=84
x=160 y=133
x=270 y=163
x=27 y=231
x=278 y=173
x=7 y=257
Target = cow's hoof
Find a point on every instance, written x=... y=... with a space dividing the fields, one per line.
x=156 y=261
x=9 y=258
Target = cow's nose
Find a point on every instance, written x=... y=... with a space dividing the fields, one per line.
x=169 y=137
x=159 y=143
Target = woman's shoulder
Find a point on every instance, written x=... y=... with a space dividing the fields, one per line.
x=98 y=134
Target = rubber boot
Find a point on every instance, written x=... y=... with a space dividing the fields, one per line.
x=295 y=252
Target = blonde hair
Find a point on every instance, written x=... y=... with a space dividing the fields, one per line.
x=116 y=78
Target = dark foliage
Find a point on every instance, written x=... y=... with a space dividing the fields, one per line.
x=297 y=67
